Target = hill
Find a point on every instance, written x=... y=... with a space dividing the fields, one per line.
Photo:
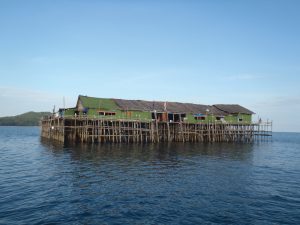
x=26 y=119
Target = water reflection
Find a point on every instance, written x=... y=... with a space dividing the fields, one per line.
x=139 y=180
x=172 y=152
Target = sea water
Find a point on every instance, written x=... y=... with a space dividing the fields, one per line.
x=171 y=183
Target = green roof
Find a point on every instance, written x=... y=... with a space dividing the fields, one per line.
x=139 y=105
x=98 y=103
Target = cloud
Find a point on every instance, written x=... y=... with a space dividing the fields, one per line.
x=284 y=102
x=283 y=110
x=245 y=77
x=18 y=100
x=40 y=60
x=47 y=60
x=12 y=92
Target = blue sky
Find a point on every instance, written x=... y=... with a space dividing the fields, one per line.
x=245 y=52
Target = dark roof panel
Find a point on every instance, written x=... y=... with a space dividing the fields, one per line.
x=217 y=112
x=175 y=107
x=233 y=109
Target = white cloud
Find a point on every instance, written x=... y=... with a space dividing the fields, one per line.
x=283 y=102
x=283 y=110
x=19 y=100
x=244 y=77
x=40 y=60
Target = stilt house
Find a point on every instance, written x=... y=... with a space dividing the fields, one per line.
x=158 y=110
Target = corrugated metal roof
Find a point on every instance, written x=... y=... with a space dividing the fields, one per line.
x=175 y=107
x=233 y=109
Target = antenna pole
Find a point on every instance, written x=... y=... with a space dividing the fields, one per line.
x=64 y=102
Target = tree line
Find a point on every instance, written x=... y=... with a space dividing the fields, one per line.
x=25 y=119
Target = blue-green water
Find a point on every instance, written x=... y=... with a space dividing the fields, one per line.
x=178 y=183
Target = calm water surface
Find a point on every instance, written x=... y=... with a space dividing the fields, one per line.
x=42 y=183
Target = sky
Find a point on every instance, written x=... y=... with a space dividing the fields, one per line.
x=206 y=52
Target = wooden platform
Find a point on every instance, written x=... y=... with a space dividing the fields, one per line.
x=101 y=130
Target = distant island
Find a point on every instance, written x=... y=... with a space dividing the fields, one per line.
x=25 y=119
